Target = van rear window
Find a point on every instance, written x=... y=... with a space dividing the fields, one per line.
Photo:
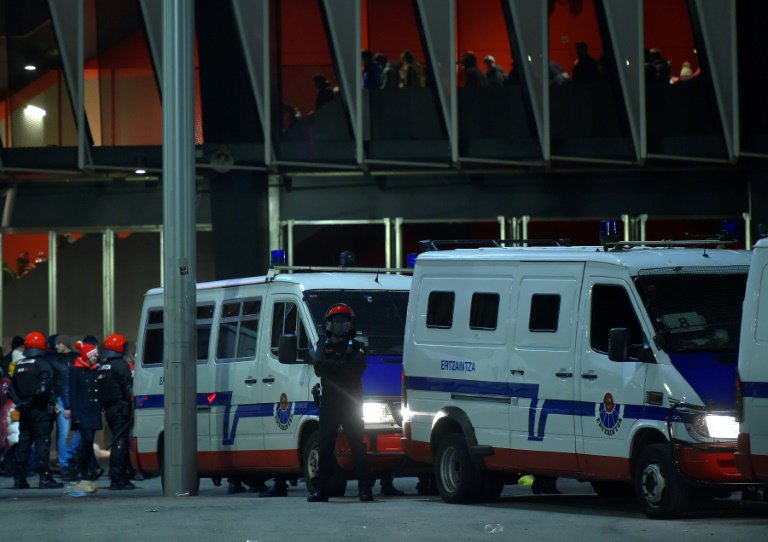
x=154 y=335
x=484 y=311
x=545 y=313
x=440 y=309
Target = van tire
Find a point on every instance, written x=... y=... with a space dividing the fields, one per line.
x=458 y=481
x=310 y=458
x=613 y=489
x=493 y=485
x=660 y=489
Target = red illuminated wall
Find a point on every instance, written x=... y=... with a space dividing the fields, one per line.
x=572 y=21
x=482 y=29
x=668 y=28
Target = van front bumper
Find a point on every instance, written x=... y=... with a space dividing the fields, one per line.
x=709 y=464
x=383 y=446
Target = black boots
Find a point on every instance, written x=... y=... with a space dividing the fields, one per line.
x=121 y=484
x=317 y=497
x=20 y=483
x=47 y=481
x=365 y=494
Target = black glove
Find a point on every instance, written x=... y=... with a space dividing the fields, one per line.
x=316 y=394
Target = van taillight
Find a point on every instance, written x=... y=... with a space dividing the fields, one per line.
x=739 y=400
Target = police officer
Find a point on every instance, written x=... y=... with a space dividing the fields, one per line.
x=32 y=391
x=339 y=361
x=115 y=388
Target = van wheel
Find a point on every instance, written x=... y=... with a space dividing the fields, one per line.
x=493 y=485
x=458 y=481
x=613 y=489
x=659 y=488
x=310 y=456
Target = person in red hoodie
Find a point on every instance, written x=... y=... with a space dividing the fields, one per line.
x=86 y=406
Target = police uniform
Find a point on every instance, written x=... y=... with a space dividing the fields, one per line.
x=115 y=385
x=340 y=366
x=32 y=392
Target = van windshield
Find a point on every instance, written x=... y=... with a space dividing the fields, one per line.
x=695 y=309
x=379 y=316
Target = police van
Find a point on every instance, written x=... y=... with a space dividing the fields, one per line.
x=612 y=364
x=255 y=415
x=752 y=457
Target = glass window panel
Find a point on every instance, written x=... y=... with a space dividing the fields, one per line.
x=227 y=340
x=545 y=312
x=203 y=341
x=246 y=341
x=35 y=104
x=587 y=114
x=252 y=307
x=440 y=310
x=494 y=118
x=313 y=122
x=25 y=284
x=230 y=310
x=402 y=120
x=322 y=245
x=752 y=82
x=484 y=311
x=153 y=346
x=681 y=111
x=79 y=290
x=137 y=269
x=414 y=232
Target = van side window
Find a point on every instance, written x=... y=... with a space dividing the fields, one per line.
x=611 y=307
x=440 y=309
x=153 y=338
x=238 y=329
x=484 y=311
x=286 y=319
x=154 y=342
x=204 y=324
x=545 y=313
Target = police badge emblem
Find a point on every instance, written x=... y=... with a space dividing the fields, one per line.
x=283 y=412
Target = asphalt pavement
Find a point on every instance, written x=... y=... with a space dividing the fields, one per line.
x=143 y=514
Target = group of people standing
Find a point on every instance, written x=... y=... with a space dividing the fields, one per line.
x=45 y=379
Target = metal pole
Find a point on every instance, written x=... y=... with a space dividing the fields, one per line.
x=52 y=265
x=108 y=281
x=180 y=444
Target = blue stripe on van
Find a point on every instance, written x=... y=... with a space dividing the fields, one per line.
x=549 y=407
x=231 y=419
x=476 y=387
x=755 y=389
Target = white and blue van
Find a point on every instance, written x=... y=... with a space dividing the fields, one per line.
x=612 y=364
x=752 y=457
x=255 y=415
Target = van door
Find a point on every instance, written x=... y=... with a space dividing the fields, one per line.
x=542 y=368
x=236 y=412
x=609 y=391
x=284 y=388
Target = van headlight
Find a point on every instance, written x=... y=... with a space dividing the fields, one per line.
x=380 y=413
x=713 y=427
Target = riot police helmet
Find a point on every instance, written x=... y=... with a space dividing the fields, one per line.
x=113 y=347
x=339 y=320
x=35 y=345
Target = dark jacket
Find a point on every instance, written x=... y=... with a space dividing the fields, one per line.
x=32 y=383
x=61 y=364
x=86 y=404
x=340 y=367
x=115 y=381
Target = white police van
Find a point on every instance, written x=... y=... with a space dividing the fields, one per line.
x=610 y=364
x=752 y=457
x=256 y=416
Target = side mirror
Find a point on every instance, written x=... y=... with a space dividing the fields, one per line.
x=618 y=344
x=287 y=349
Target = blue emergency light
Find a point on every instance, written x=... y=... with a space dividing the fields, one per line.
x=411 y=260
x=729 y=230
x=609 y=231
x=278 y=257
